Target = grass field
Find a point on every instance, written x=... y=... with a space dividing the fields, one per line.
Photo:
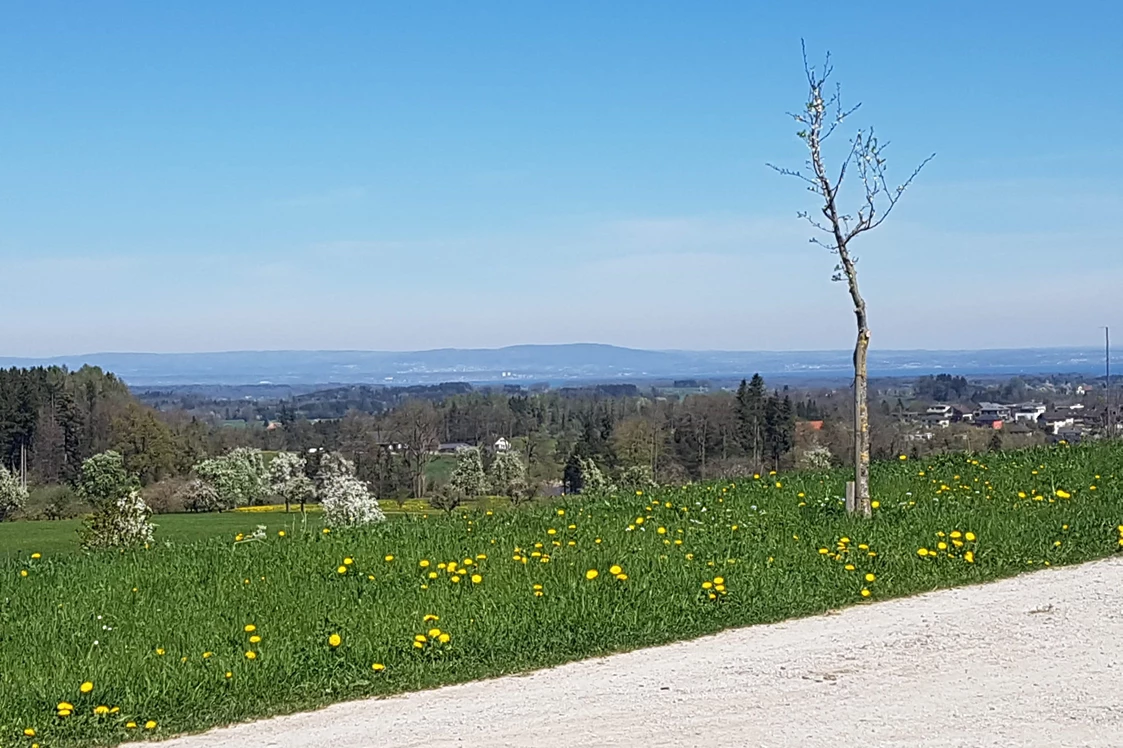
x=186 y=636
x=60 y=537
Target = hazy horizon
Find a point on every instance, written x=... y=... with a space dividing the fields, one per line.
x=843 y=350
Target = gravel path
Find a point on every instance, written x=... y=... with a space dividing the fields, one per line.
x=1030 y=661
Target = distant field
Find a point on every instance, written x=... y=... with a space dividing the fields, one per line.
x=57 y=537
x=61 y=536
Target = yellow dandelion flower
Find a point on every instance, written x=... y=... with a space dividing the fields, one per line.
x=29 y=732
x=255 y=639
x=591 y=574
x=341 y=570
x=249 y=628
x=922 y=552
x=251 y=655
x=378 y=667
x=348 y=561
x=444 y=638
x=969 y=557
x=614 y=570
x=865 y=592
x=870 y=577
x=622 y=577
x=388 y=558
x=101 y=710
x=423 y=563
x=455 y=579
x=335 y=640
x=476 y=579
x=875 y=504
x=150 y=724
x=130 y=725
x=64 y=706
x=86 y=687
x=280 y=533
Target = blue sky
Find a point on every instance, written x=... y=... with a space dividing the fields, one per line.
x=186 y=176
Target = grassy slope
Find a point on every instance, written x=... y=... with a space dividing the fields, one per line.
x=761 y=537
x=54 y=538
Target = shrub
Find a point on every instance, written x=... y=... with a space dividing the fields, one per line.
x=817 y=458
x=166 y=496
x=123 y=523
x=636 y=478
x=52 y=503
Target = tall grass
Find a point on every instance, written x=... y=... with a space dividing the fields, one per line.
x=161 y=633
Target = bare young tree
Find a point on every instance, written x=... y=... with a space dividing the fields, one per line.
x=822 y=114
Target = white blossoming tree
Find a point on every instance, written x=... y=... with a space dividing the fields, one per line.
x=238 y=476
x=125 y=522
x=199 y=496
x=507 y=475
x=468 y=477
x=816 y=458
x=287 y=479
x=637 y=478
x=592 y=479
x=12 y=493
x=120 y=515
x=347 y=502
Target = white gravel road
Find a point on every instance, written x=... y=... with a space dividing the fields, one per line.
x=1032 y=661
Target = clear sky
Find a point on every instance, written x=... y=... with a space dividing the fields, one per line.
x=189 y=176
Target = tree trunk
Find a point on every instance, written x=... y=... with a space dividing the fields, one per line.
x=861 y=420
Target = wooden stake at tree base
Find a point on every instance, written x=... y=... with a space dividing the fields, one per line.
x=850 y=493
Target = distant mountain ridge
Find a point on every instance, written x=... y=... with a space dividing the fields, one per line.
x=555 y=364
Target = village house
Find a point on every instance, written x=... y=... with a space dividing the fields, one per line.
x=1029 y=412
x=992 y=415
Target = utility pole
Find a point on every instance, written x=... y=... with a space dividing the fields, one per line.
x=1107 y=382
